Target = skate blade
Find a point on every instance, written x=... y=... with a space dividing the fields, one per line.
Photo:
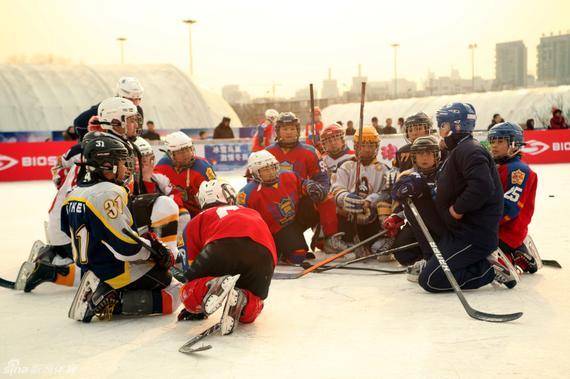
x=215 y=302
x=79 y=306
x=25 y=270
x=36 y=247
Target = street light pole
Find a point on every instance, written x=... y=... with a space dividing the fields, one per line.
x=395 y=46
x=189 y=23
x=472 y=47
x=121 y=41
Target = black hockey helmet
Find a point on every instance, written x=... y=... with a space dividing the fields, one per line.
x=426 y=143
x=287 y=118
x=417 y=119
x=103 y=152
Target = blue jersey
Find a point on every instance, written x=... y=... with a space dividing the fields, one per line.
x=93 y=216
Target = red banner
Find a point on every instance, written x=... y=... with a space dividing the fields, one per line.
x=547 y=146
x=29 y=160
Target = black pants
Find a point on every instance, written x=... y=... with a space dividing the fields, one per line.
x=410 y=256
x=289 y=239
x=363 y=231
x=156 y=278
x=232 y=256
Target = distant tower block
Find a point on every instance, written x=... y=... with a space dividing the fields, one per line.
x=330 y=87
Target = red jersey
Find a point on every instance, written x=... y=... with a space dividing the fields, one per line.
x=229 y=221
x=276 y=203
x=309 y=132
x=186 y=182
x=519 y=185
x=263 y=137
x=303 y=160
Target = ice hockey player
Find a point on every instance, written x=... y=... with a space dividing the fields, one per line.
x=469 y=203
x=121 y=277
x=185 y=170
x=224 y=241
x=366 y=200
x=265 y=133
x=317 y=207
x=309 y=140
x=416 y=125
x=519 y=185
x=425 y=157
x=336 y=151
x=127 y=88
x=275 y=195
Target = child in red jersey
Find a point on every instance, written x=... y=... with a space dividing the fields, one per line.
x=519 y=185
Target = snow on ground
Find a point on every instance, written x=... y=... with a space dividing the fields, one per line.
x=333 y=325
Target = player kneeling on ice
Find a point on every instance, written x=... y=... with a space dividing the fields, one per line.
x=121 y=277
x=275 y=195
x=425 y=158
x=362 y=192
x=519 y=185
x=223 y=243
x=468 y=206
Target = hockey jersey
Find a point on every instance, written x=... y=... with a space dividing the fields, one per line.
x=231 y=221
x=186 y=182
x=309 y=132
x=93 y=216
x=303 y=160
x=333 y=164
x=519 y=187
x=277 y=204
x=403 y=159
x=264 y=136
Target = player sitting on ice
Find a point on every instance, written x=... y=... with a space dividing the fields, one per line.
x=223 y=243
x=121 y=276
x=265 y=133
x=464 y=219
x=425 y=157
x=519 y=185
x=416 y=125
x=364 y=200
x=275 y=195
x=336 y=151
x=186 y=172
x=318 y=206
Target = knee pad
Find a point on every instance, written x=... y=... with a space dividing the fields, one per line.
x=252 y=309
x=193 y=292
x=171 y=298
x=164 y=221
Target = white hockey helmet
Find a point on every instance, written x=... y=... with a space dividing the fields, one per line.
x=261 y=159
x=271 y=115
x=114 y=111
x=130 y=88
x=143 y=146
x=177 y=141
x=216 y=192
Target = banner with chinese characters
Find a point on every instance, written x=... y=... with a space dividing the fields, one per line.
x=227 y=156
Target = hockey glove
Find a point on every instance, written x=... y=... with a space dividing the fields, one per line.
x=392 y=225
x=315 y=190
x=352 y=203
x=411 y=185
x=161 y=254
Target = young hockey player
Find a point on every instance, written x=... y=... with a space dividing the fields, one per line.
x=304 y=160
x=469 y=204
x=519 y=185
x=365 y=200
x=185 y=171
x=309 y=140
x=275 y=195
x=222 y=242
x=336 y=151
x=265 y=134
x=120 y=277
x=425 y=157
x=416 y=125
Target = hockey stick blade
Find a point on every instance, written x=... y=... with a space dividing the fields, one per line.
x=478 y=315
x=7 y=284
x=551 y=263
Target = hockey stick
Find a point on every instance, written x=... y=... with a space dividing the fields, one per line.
x=313 y=128
x=325 y=261
x=7 y=284
x=551 y=263
x=381 y=270
x=490 y=317
x=385 y=252
x=357 y=150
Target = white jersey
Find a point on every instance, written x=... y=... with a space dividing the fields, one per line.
x=334 y=163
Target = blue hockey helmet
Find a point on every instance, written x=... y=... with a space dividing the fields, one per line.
x=507 y=130
x=460 y=116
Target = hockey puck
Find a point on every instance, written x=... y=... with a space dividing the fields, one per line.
x=550 y=195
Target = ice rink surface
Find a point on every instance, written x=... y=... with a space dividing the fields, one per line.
x=332 y=325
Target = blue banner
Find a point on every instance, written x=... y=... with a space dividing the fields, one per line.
x=226 y=156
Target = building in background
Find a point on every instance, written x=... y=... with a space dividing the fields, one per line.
x=510 y=65
x=233 y=95
x=553 y=53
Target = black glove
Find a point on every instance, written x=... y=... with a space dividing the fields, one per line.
x=411 y=185
x=160 y=253
x=316 y=191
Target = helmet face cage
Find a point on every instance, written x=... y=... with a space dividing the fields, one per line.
x=423 y=126
x=328 y=138
x=103 y=154
x=436 y=156
x=216 y=192
x=261 y=160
